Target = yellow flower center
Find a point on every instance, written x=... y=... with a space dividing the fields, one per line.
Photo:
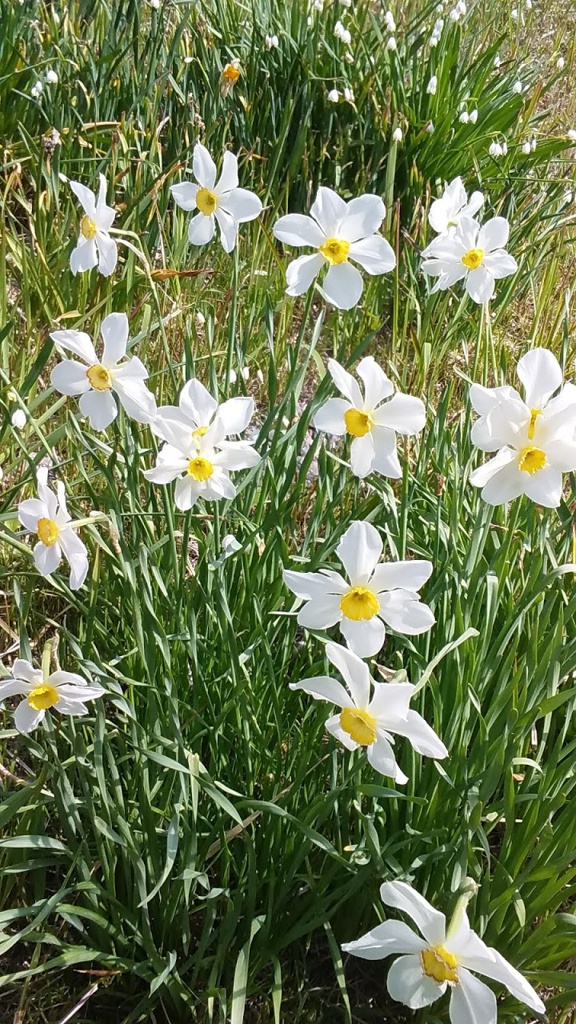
x=200 y=468
x=439 y=964
x=231 y=74
x=360 y=725
x=42 y=697
x=473 y=258
x=88 y=227
x=199 y=432
x=359 y=603
x=534 y=414
x=99 y=377
x=206 y=201
x=335 y=250
x=358 y=423
x=530 y=460
x=48 y=531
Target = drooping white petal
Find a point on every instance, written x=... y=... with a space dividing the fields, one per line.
x=403 y=611
x=363 y=217
x=114 y=330
x=408 y=984
x=330 y=416
x=297 y=229
x=406 y=575
x=77 y=342
x=136 y=400
x=236 y=414
x=185 y=195
x=343 y=285
x=203 y=167
x=471 y=1001
x=385 y=455
x=382 y=758
x=377 y=386
x=242 y=205
x=329 y=210
x=23 y=669
x=219 y=486
x=404 y=413
x=228 y=179
x=69 y=377
x=100 y=408
x=385 y=939
x=77 y=556
x=500 y=264
x=321 y=613
x=201 y=229
x=300 y=273
x=236 y=455
x=480 y=285
x=314 y=585
x=365 y=637
x=30 y=511
x=353 y=670
x=429 y=921
x=494 y=966
x=544 y=487
x=359 y=550
x=107 y=254
x=362 y=455
x=375 y=255
x=26 y=719
x=84 y=256
x=13 y=688
x=186 y=493
x=421 y=735
x=541 y=375
x=47 y=558
x=228 y=229
x=346 y=384
x=324 y=688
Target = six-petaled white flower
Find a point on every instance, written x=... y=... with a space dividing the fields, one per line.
x=371 y=713
x=442 y=958
x=65 y=692
x=371 y=419
x=197 y=410
x=95 y=246
x=534 y=437
x=445 y=213
x=372 y=595
x=221 y=201
x=200 y=462
x=97 y=380
x=474 y=253
x=339 y=232
x=48 y=517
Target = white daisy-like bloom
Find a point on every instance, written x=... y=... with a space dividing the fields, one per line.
x=98 y=380
x=48 y=517
x=95 y=246
x=375 y=593
x=445 y=213
x=440 y=958
x=219 y=202
x=473 y=253
x=371 y=419
x=339 y=232
x=371 y=713
x=197 y=410
x=65 y=692
x=534 y=437
x=201 y=463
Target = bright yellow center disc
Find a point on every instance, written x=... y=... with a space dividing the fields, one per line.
x=335 y=250
x=200 y=468
x=88 y=227
x=358 y=423
x=48 y=531
x=359 y=603
x=473 y=258
x=439 y=964
x=99 y=377
x=206 y=201
x=531 y=460
x=360 y=725
x=42 y=697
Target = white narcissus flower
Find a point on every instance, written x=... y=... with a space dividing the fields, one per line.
x=339 y=232
x=445 y=213
x=474 y=253
x=65 y=692
x=371 y=419
x=221 y=202
x=95 y=247
x=534 y=437
x=197 y=410
x=201 y=463
x=443 y=958
x=372 y=595
x=97 y=380
x=47 y=516
x=370 y=719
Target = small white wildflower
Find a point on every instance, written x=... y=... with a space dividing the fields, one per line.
x=200 y=319
x=51 y=77
x=432 y=86
x=528 y=5
x=37 y=88
x=397 y=135
x=389 y=20
x=526 y=148
x=464 y=117
x=318 y=5
x=497 y=61
x=495 y=149
x=155 y=4
x=271 y=42
x=473 y=117
x=504 y=148
x=346 y=3
x=514 y=14
x=430 y=127
x=560 y=63
x=232 y=377
x=349 y=95
x=517 y=87
x=188 y=60
x=333 y=96
x=391 y=44
x=349 y=58
x=19 y=419
x=571 y=133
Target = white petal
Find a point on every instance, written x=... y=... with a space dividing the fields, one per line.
x=405 y=613
x=84 y=256
x=474 y=204
x=375 y=255
x=300 y=273
x=480 y=285
x=544 y=487
x=77 y=342
x=236 y=455
x=421 y=735
x=502 y=485
x=359 y=550
x=69 y=378
x=353 y=670
x=429 y=921
x=136 y=400
x=13 y=688
x=228 y=175
x=114 y=330
x=497 y=968
x=562 y=454
x=23 y=669
x=363 y=217
x=440 y=212
x=343 y=285
x=484 y=399
x=99 y=407
x=494 y=234
x=346 y=384
x=541 y=375
x=471 y=1001
x=385 y=454
x=329 y=210
x=201 y=229
x=47 y=559
x=186 y=493
x=385 y=939
x=297 y=229
x=228 y=229
x=365 y=637
x=321 y=613
x=391 y=704
x=26 y=719
x=330 y=416
x=335 y=729
x=403 y=413
x=377 y=386
x=107 y=254
x=170 y=464
x=409 y=575
x=381 y=756
x=324 y=688
x=77 y=557
x=219 y=486
x=408 y=984
x=130 y=371
x=313 y=585
x=197 y=403
x=86 y=197
x=185 y=195
x=242 y=205
x=362 y=455
x=203 y=166
x=30 y=511
x=236 y=414
x=500 y=264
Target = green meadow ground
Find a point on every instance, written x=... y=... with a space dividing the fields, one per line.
x=197 y=849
